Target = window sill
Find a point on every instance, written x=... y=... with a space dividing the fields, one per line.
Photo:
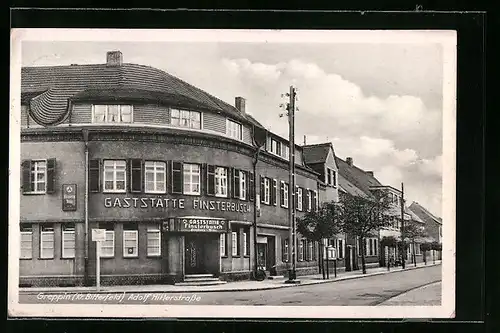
x=150 y=192
x=193 y=194
x=67 y=258
x=224 y=257
x=34 y=193
x=25 y=258
x=51 y=258
x=246 y=256
x=114 y=192
x=236 y=256
x=221 y=196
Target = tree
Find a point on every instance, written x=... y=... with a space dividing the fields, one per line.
x=413 y=232
x=424 y=247
x=319 y=224
x=362 y=216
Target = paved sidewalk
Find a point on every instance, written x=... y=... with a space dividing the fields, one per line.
x=230 y=286
x=427 y=295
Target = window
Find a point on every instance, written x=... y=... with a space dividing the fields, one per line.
x=286 y=152
x=191 y=178
x=265 y=190
x=334 y=178
x=155 y=177
x=375 y=247
x=275 y=147
x=340 y=248
x=112 y=114
x=274 y=193
x=234 y=130
x=371 y=247
x=284 y=256
x=68 y=240
x=315 y=200
x=154 y=240
x=284 y=194
x=235 y=242
x=246 y=242
x=26 y=241
x=220 y=182
x=130 y=241
x=184 y=118
x=417 y=249
x=302 y=248
x=243 y=185
x=108 y=245
x=114 y=176
x=38 y=176
x=47 y=242
x=223 y=251
x=310 y=250
x=299 y=198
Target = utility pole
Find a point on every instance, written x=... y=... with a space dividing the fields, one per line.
x=403 y=225
x=291 y=190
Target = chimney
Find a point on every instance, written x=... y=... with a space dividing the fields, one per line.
x=114 y=58
x=369 y=173
x=349 y=161
x=239 y=103
x=305 y=140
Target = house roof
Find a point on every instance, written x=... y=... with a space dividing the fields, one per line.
x=356 y=176
x=317 y=153
x=48 y=89
x=424 y=214
x=348 y=187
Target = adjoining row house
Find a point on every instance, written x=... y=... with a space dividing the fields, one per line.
x=433 y=226
x=184 y=185
x=165 y=168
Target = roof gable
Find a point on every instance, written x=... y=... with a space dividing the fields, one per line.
x=424 y=214
x=317 y=153
x=356 y=176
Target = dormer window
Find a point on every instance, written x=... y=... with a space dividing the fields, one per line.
x=275 y=147
x=184 y=118
x=331 y=177
x=112 y=114
x=234 y=130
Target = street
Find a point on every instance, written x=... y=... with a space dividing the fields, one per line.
x=366 y=291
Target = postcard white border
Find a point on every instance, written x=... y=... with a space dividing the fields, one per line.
x=447 y=38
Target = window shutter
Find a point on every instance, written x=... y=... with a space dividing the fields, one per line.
x=236 y=183
x=177 y=178
x=51 y=175
x=296 y=197
x=26 y=166
x=261 y=189
x=282 y=193
x=135 y=168
x=210 y=180
x=314 y=200
x=95 y=175
x=251 y=186
x=284 y=257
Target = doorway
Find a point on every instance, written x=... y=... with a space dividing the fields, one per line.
x=262 y=255
x=194 y=262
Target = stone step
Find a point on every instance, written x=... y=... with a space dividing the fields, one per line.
x=276 y=277
x=187 y=276
x=200 y=283
x=200 y=279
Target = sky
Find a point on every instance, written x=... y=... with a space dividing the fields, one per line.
x=380 y=104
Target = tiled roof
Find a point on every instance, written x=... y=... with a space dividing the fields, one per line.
x=317 y=153
x=350 y=188
x=424 y=214
x=357 y=177
x=65 y=82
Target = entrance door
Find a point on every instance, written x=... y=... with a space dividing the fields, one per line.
x=262 y=255
x=193 y=258
x=270 y=253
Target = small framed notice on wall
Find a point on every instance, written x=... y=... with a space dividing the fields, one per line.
x=69 y=197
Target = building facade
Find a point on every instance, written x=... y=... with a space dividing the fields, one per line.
x=182 y=183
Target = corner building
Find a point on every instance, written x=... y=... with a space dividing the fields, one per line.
x=164 y=167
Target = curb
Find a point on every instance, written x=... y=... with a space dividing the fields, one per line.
x=103 y=290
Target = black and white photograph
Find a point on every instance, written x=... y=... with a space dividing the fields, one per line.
x=232 y=173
